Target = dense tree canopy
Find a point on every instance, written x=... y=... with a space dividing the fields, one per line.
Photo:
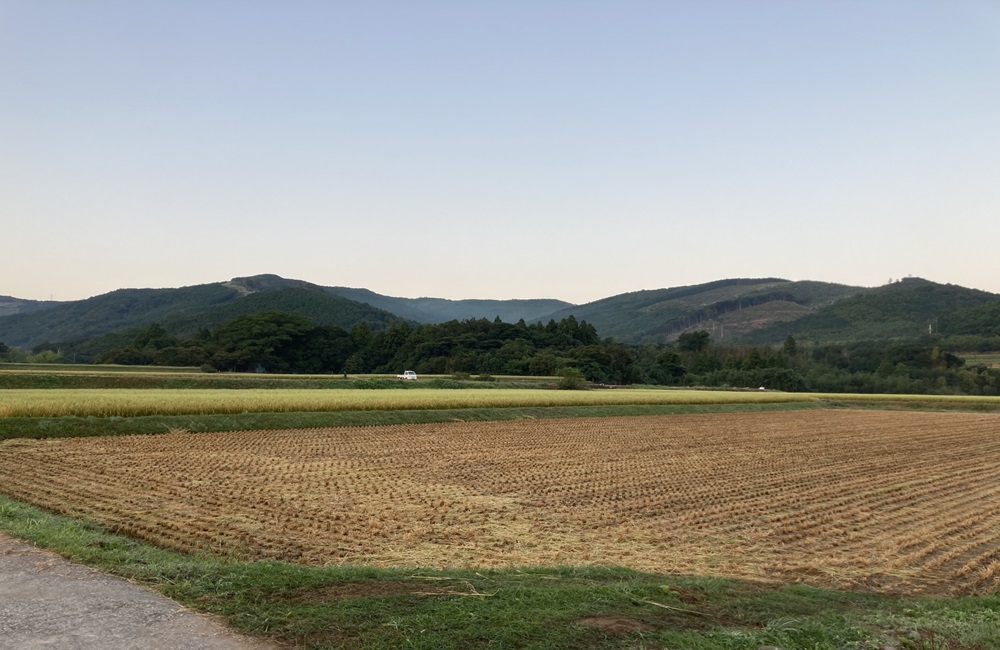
x=277 y=341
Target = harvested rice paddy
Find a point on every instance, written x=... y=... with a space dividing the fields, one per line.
x=888 y=501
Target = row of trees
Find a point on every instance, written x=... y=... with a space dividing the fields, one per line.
x=861 y=367
x=288 y=343
x=17 y=355
x=284 y=342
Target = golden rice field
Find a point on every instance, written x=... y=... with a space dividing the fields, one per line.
x=48 y=402
x=889 y=501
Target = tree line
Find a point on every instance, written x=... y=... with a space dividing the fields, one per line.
x=286 y=342
x=916 y=367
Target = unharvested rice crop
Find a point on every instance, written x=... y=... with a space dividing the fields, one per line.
x=141 y=402
x=888 y=501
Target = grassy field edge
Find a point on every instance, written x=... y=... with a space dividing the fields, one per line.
x=525 y=607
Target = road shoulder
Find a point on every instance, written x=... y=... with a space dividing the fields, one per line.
x=47 y=601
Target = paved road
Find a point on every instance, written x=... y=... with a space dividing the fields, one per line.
x=49 y=602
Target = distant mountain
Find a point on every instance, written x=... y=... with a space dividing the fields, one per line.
x=109 y=312
x=10 y=306
x=727 y=308
x=905 y=309
x=440 y=310
x=185 y=310
x=321 y=307
x=740 y=310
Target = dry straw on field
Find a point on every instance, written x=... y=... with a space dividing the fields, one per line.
x=900 y=501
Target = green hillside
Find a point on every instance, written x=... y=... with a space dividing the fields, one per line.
x=110 y=312
x=729 y=307
x=10 y=305
x=321 y=309
x=183 y=311
x=983 y=320
x=906 y=309
x=314 y=302
x=741 y=310
x=440 y=310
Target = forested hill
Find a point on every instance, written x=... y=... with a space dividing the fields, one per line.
x=733 y=311
x=728 y=308
x=108 y=312
x=983 y=320
x=182 y=311
x=10 y=305
x=440 y=310
x=905 y=309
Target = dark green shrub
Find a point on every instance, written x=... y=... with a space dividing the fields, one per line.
x=571 y=379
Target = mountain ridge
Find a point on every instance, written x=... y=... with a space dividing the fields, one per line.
x=661 y=314
x=742 y=310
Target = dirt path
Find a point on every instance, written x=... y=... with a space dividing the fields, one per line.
x=47 y=601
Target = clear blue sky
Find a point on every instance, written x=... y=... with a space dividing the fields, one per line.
x=497 y=148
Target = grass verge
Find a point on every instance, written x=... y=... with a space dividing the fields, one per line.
x=591 y=608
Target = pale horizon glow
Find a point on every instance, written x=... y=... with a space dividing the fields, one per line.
x=549 y=149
